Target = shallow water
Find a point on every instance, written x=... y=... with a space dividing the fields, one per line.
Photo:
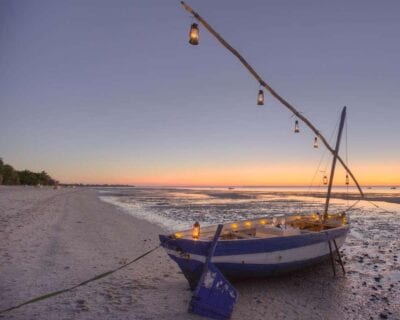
x=177 y=208
x=370 y=253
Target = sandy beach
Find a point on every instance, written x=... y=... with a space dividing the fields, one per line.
x=52 y=239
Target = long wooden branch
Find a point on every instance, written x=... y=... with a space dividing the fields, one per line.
x=271 y=91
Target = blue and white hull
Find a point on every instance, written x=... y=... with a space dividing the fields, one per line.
x=254 y=257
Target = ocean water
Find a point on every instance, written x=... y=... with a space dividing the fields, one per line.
x=178 y=208
x=370 y=253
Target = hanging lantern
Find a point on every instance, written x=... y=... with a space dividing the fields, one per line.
x=347 y=179
x=196 y=230
x=296 y=126
x=260 y=98
x=194 y=34
x=325 y=180
x=315 y=142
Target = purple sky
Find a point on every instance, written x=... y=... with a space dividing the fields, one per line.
x=110 y=91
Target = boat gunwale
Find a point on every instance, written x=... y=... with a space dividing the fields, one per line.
x=346 y=226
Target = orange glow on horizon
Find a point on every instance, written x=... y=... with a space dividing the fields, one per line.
x=260 y=175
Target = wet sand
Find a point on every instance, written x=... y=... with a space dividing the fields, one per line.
x=52 y=239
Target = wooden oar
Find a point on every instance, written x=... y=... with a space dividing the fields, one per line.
x=214 y=296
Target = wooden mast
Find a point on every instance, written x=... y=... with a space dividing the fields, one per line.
x=271 y=91
x=335 y=157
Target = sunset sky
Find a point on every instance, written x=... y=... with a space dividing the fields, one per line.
x=111 y=91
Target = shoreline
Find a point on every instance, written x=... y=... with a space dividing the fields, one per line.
x=52 y=239
x=382 y=197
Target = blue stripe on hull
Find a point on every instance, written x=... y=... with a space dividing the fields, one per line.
x=237 y=271
x=239 y=247
x=192 y=269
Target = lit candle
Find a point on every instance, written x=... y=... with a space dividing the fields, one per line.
x=196 y=230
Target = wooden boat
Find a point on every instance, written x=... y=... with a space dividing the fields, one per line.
x=258 y=247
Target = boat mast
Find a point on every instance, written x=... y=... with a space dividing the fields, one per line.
x=335 y=157
x=271 y=90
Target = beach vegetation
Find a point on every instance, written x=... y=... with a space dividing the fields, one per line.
x=10 y=176
x=30 y=178
x=1 y=170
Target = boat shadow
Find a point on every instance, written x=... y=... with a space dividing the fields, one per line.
x=310 y=293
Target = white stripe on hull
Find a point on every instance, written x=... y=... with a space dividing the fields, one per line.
x=276 y=257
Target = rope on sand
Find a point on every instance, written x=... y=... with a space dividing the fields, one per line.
x=99 y=276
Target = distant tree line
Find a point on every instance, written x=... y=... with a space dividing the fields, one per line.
x=10 y=176
x=96 y=185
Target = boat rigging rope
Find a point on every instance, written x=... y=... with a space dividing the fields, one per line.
x=300 y=206
x=352 y=206
x=323 y=156
x=374 y=204
x=331 y=142
x=379 y=207
x=97 y=277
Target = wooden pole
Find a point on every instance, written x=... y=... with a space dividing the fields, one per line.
x=332 y=258
x=271 y=91
x=338 y=254
x=335 y=157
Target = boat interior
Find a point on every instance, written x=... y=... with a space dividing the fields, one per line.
x=266 y=227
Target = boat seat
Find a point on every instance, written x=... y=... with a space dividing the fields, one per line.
x=268 y=231
x=243 y=235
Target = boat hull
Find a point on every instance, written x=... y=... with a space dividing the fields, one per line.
x=248 y=258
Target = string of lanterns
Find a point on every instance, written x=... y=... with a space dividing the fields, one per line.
x=325 y=180
x=194 y=35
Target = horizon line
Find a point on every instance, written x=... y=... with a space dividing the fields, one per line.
x=227 y=186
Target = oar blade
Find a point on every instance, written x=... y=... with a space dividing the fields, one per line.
x=214 y=296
